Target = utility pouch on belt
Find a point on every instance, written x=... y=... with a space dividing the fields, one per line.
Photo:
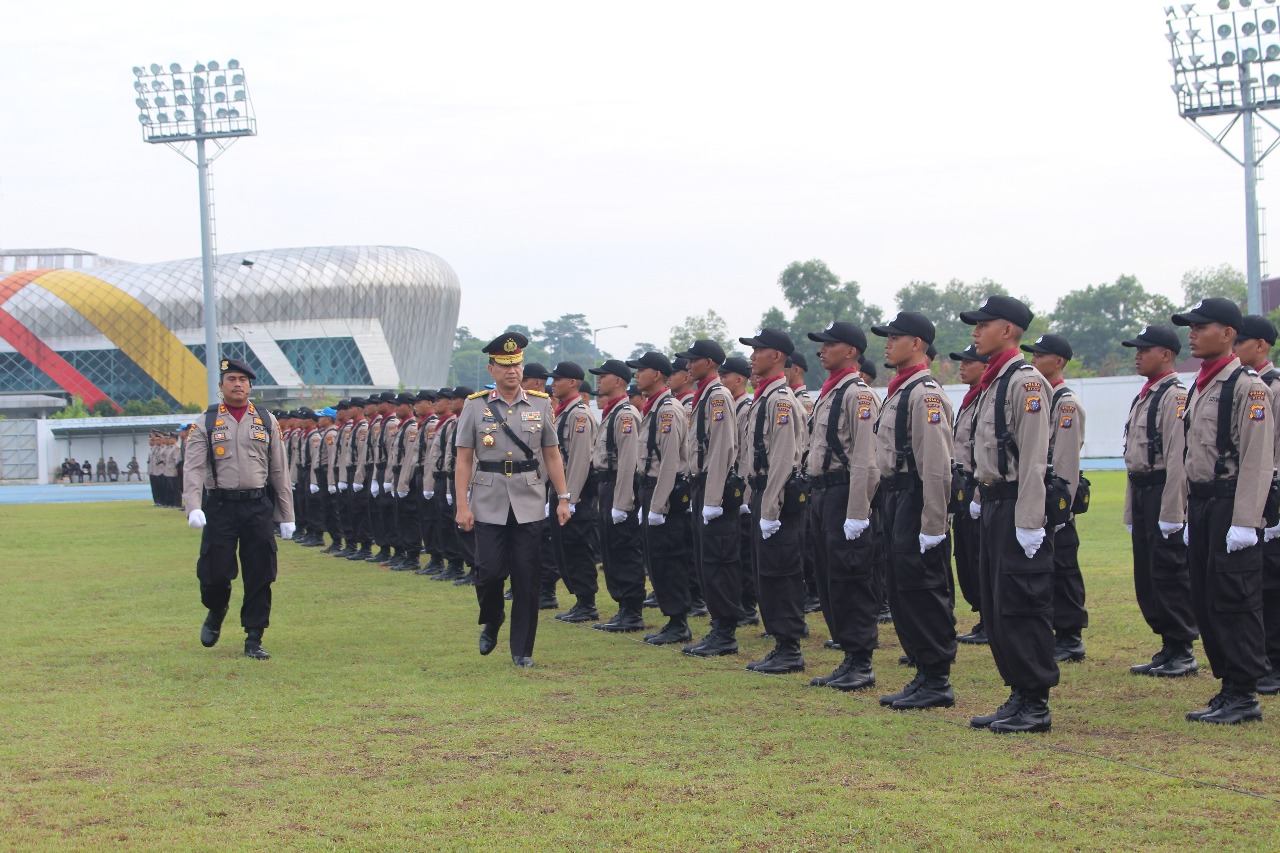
x=1057 y=500
x=962 y=490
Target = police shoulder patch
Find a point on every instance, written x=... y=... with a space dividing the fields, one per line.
x=1031 y=386
x=1033 y=404
x=1257 y=412
x=1066 y=422
x=1257 y=395
x=935 y=416
x=1068 y=410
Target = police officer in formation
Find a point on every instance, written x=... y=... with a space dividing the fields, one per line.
x=965 y=528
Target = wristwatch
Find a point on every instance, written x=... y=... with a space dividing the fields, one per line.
x=563 y=497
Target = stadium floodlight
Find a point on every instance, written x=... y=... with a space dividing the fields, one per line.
x=1226 y=71
x=182 y=126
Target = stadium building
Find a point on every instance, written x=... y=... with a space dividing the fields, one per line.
x=325 y=319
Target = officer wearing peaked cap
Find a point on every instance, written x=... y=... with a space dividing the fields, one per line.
x=236 y=490
x=1229 y=463
x=1155 y=503
x=507 y=451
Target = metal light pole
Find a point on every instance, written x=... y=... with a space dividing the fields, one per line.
x=595 y=335
x=208 y=103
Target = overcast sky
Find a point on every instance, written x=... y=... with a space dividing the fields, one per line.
x=637 y=162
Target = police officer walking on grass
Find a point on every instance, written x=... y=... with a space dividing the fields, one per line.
x=1253 y=347
x=505 y=440
x=1011 y=449
x=236 y=490
x=1229 y=464
x=913 y=453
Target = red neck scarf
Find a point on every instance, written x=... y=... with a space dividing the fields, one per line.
x=970 y=396
x=681 y=395
x=994 y=364
x=237 y=412
x=1263 y=367
x=611 y=405
x=1056 y=384
x=903 y=375
x=797 y=386
x=1151 y=383
x=560 y=407
x=1209 y=369
x=763 y=384
x=834 y=379
x=444 y=418
x=648 y=404
x=702 y=388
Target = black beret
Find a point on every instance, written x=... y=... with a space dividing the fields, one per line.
x=235 y=365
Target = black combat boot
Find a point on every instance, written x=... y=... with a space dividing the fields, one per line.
x=344 y=552
x=335 y=546
x=784 y=658
x=1033 y=715
x=582 y=611
x=547 y=599
x=722 y=640
x=253 y=645
x=453 y=571
x=1180 y=662
x=1158 y=659
x=380 y=557
x=698 y=607
x=468 y=578
x=434 y=566
x=410 y=564
x=1239 y=705
x=675 y=631
x=823 y=680
x=976 y=637
x=885 y=616
x=212 y=628
x=630 y=617
x=362 y=555
x=934 y=692
x=1269 y=685
x=858 y=675
x=912 y=686
x=1068 y=647
x=651 y=600
x=1010 y=707
x=812 y=604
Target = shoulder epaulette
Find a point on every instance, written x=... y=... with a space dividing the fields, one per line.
x=1025 y=366
x=929 y=383
x=538 y=394
x=478 y=395
x=1250 y=371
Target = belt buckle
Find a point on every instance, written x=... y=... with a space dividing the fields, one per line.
x=508 y=467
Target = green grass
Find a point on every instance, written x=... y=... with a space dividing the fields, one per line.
x=377 y=726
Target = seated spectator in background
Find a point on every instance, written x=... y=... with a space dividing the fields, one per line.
x=86 y=470
x=101 y=471
x=134 y=470
x=113 y=469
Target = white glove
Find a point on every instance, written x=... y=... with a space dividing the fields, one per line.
x=975 y=510
x=656 y=519
x=428 y=494
x=402 y=495
x=768 y=528
x=744 y=510
x=617 y=515
x=546 y=509
x=1129 y=527
x=1167 y=528
x=388 y=487
x=196 y=519
x=572 y=509
x=1030 y=538
x=1058 y=528
x=357 y=487
x=711 y=513
x=1271 y=533
x=313 y=488
x=448 y=498
x=342 y=487
x=1186 y=535
x=374 y=488
x=927 y=542
x=1239 y=538
x=333 y=490
x=286 y=529
x=855 y=527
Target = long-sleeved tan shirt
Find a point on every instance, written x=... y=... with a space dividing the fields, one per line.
x=1066 y=436
x=663 y=434
x=576 y=433
x=782 y=429
x=247 y=454
x=929 y=422
x=623 y=424
x=1026 y=412
x=713 y=440
x=859 y=409
x=1141 y=458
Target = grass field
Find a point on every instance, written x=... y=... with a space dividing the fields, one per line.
x=377 y=726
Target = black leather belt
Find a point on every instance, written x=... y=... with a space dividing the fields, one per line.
x=508 y=466
x=239 y=494
x=999 y=491
x=1213 y=489
x=819 y=482
x=1144 y=479
x=900 y=482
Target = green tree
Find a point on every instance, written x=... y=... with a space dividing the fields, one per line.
x=566 y=339
x=943 y=305
x=1222 y=280
x=1096 y=318
x=710 y=325
x=818 y=298
x=104 y=408
x=640 y=349
x=75 y=409
x=191 y=408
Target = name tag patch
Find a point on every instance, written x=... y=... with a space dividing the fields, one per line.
x=1257 y=395
x=1033 y=403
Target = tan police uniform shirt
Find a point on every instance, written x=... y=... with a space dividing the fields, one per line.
x=576 y=429
x=294 y=453
x=1066 y=435
x=1168 y=456
x=623 y=421
x=1273 y=397
x=782 y=430
x=744 y=452
x=962 y=436
x=342 y=451
x=717 y=446
x=313 y=454
x=806 y=400
x=246 y=455
x=372 y=440
x=929 y=422
x=1026 y=412
x=407 y=454
x=663 y=433
x=386 y=449
x=1251 y=433
x=353 y=470
x=493 y=493
x=440 y=455
x=859 y=408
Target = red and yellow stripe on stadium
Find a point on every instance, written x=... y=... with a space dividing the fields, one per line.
x=125 y=321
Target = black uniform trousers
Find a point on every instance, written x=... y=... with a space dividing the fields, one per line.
x=746 y=558
x=375 y=510
x=332 y=511
x=407 y=514
x=1069 y=613
x=965 y=532
x=845 y=571
x=428 y=522
x=446 y=526
x=175 y=491
x=621 y=551
x=717 y=558
x=1017 y=598
x=570 y=549
x=510 y=550
x=666 y=555
x=386 y=503
x=1271 y=599
x=779 y=569
x=880 y=551
x=360 y=516
x=302 y=501
x=1226 y=591
x=246 y=526
x=810 y=556
x=920 y=592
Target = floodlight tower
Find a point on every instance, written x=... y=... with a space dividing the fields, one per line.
x=1226 y=70
x=208 y=103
